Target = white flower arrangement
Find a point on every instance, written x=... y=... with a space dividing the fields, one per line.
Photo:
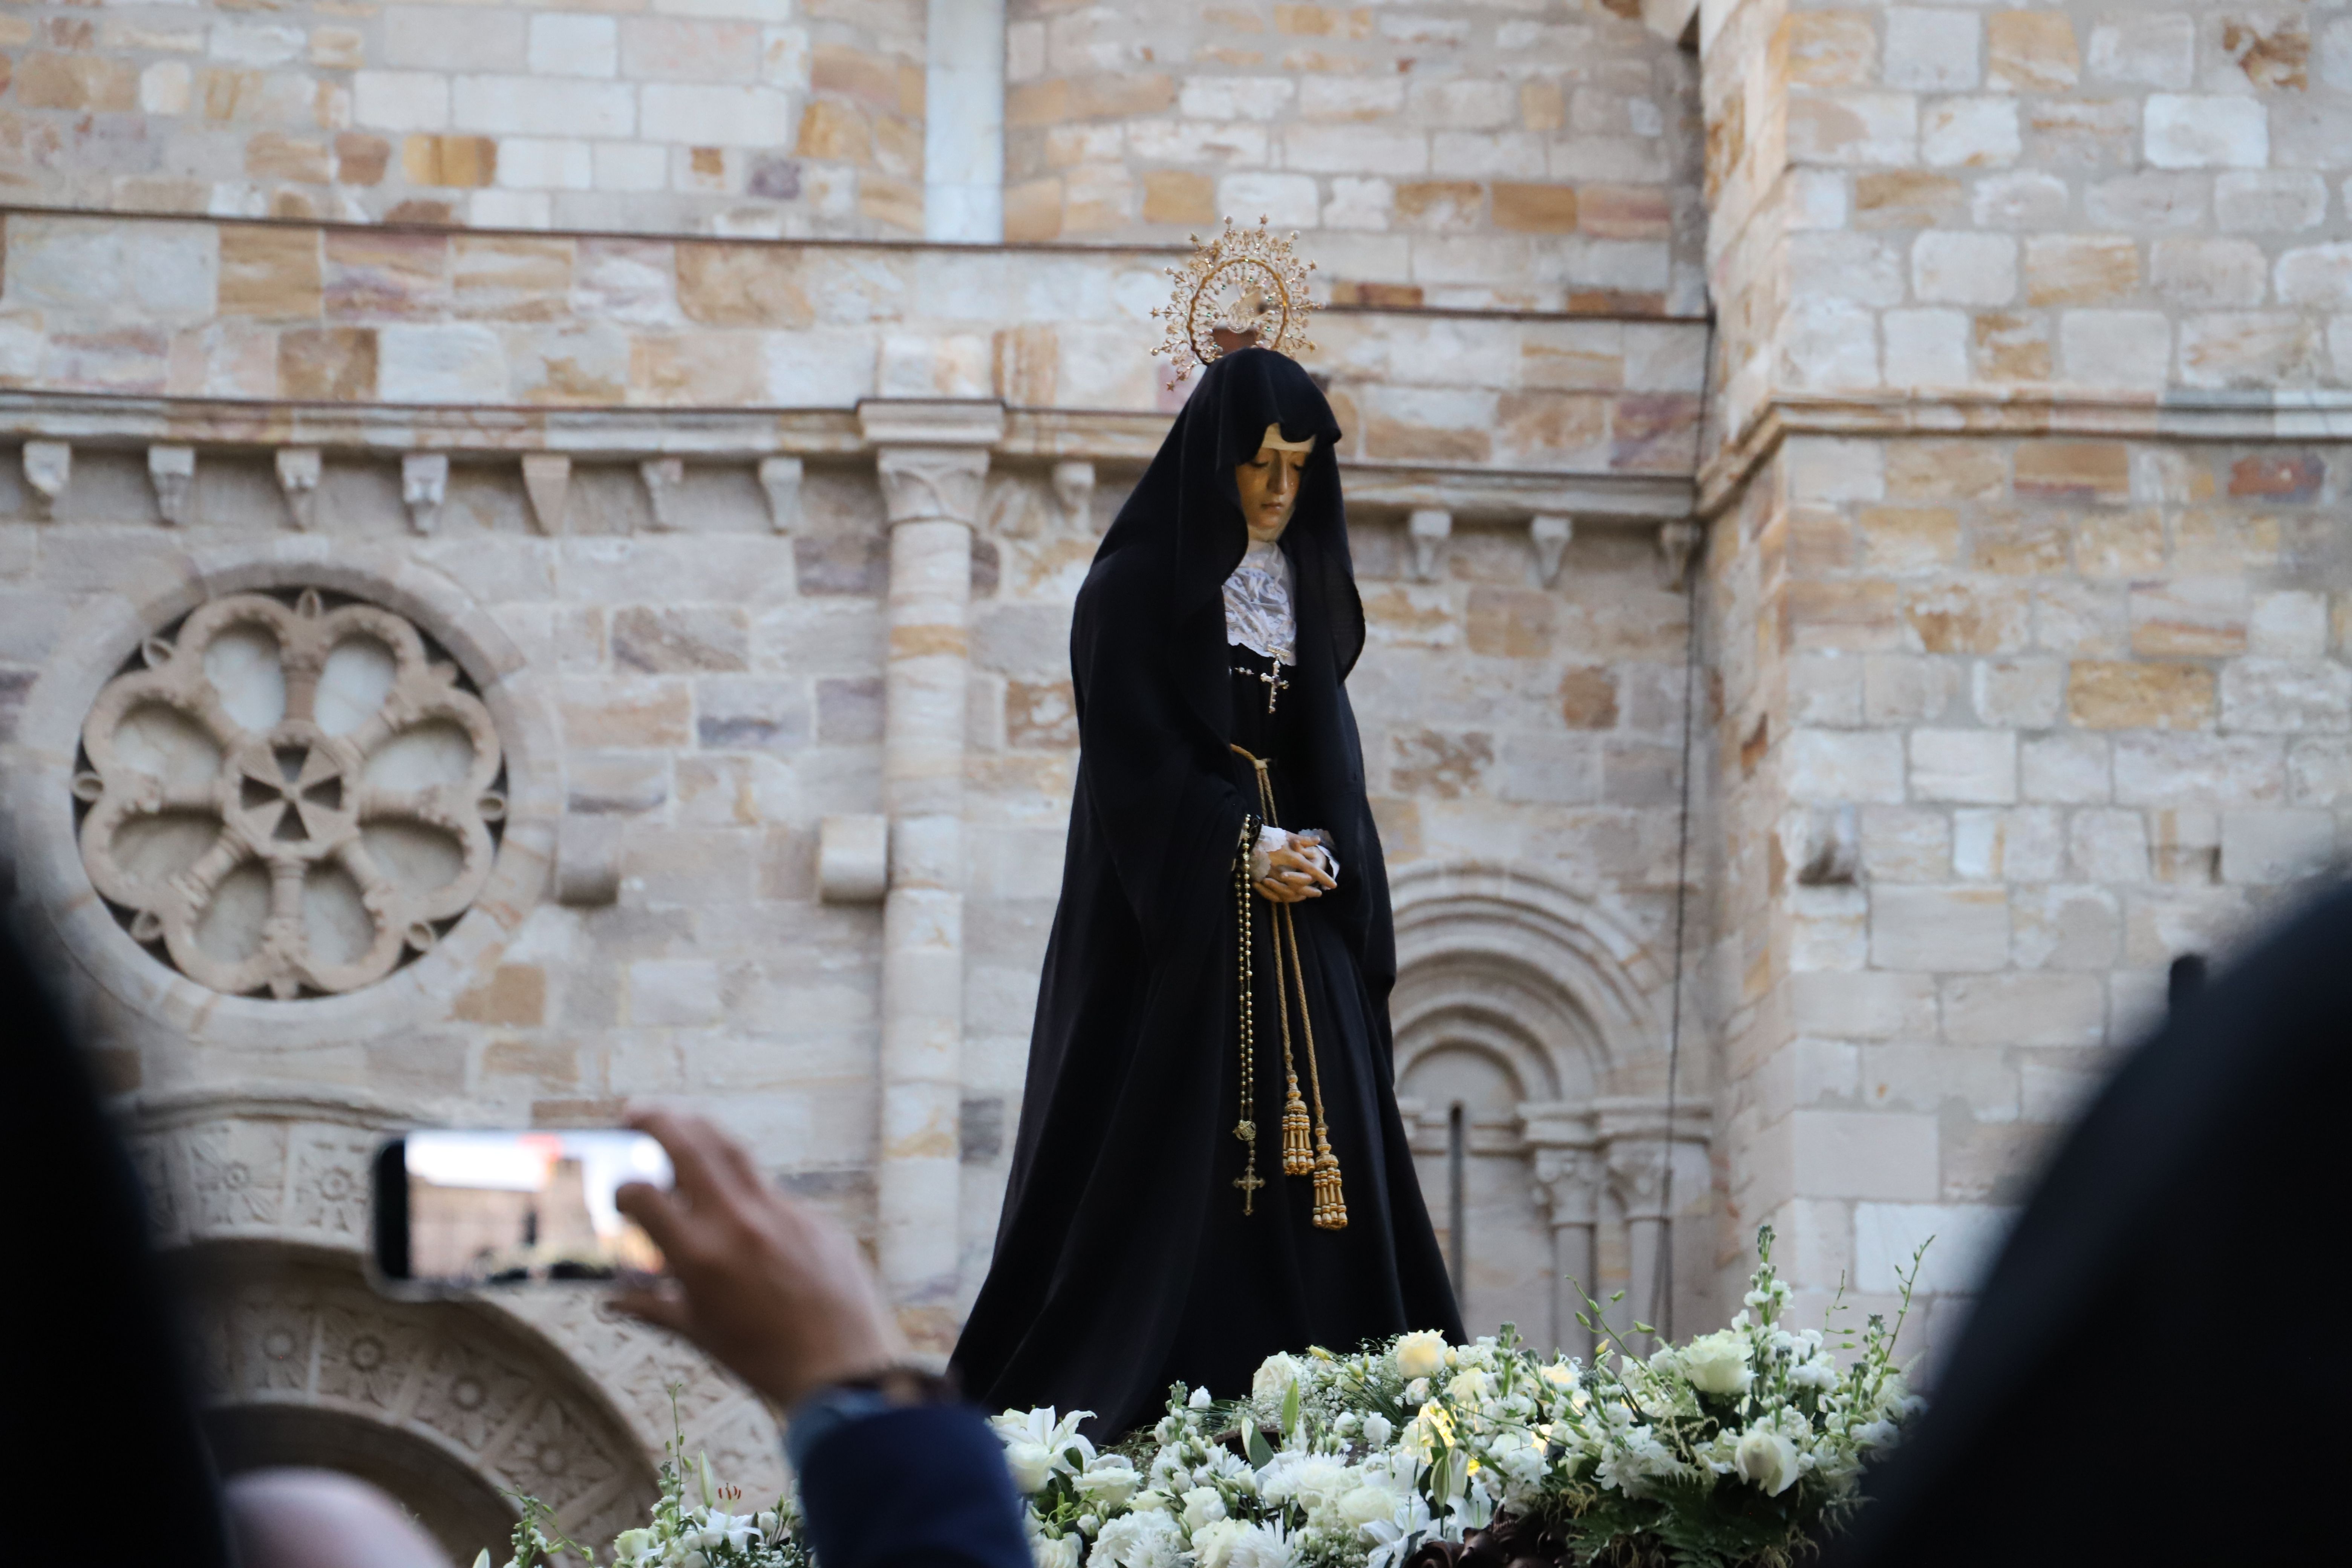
x=1736 y=1448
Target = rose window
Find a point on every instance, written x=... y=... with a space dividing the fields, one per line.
x=290 y=795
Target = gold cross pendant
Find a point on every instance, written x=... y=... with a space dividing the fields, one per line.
x=1249 y=1181
x=1275 y=687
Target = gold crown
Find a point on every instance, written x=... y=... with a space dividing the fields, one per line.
x=1245 y=285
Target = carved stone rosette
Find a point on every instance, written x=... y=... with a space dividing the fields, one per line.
x=290 y=797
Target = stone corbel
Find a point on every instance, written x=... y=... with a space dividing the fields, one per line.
x=1550 y=535
x=299 y=469
x=1677 y=542
x=547 y=480
x=664 y=478
x=588 y=860
x=1074 y=486
x=423 y=485
x=932 y=484
x=173 y=471
x=48 y=467
x=1429 y=529
x=781 y=478
x=1832 y=856
x=852 y=859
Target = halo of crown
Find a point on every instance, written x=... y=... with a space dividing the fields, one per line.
x=1249 y=283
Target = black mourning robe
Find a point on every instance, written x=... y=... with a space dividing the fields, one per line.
x=1124 y=1261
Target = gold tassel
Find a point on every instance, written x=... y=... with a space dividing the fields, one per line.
x=1297 y=1150
x=1330 y=1203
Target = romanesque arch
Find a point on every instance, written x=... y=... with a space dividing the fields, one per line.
x=1529 y=1048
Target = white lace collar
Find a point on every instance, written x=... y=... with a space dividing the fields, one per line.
x=1257 y=605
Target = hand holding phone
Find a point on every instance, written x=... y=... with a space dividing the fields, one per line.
x=770 y=1285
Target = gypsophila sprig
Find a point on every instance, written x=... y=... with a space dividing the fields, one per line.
x=1736 y=1449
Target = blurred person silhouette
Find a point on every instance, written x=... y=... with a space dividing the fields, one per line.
x=97 y=1387
x=2150 y=1374
x=894 y=1470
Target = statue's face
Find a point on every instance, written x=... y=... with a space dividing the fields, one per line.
x=1269 y=484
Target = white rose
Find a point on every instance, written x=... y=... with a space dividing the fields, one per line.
x=1767 y=1460
x=1560 y=1374
x=1202 y=1506
x=1365 y=1504
x=1277 y=1375
x=1717 y=1364
x=1030 y=1463
x=1378 y=1430
x=1420 y=1353
x=1059 y=1552
x=1469 y=1387
x=1110 y=1480
x=1199 y=1401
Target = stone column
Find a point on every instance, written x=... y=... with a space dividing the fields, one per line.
x=1639 y=1150
x=1637 y=1180
x=1568 y=1189
x=931 y=460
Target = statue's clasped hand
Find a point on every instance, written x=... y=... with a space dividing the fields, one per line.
x=1290 y=868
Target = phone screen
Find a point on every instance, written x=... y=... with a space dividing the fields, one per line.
x=459 y=1209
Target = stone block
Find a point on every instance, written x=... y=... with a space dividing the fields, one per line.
x=1968 y=618
x=2208 y=273
x=1851 y=128
x=848 y=711
x=1978 y=765
x=2158 y=51
x=1834 y=766
x=2108 y=846
x=2286 y=696
x=1446 y=766
x=1925 y=348
x=400 y=101
x=330 y=365
x=1898 y=689
x=2018 y=693
x=1904 y=845
x=2119 y=544
x=2027 y=844
x=2288 y=624
x=514 y=994
x=2188 y=770
x=2031 y=200
x=1970 y=132
x=2012 y=347
x=599 y=784
x=2277 y=846
x=2031 y=52
x=1950 y=929
x=1855 y=615
x=1946 y=470
x=2127 y=348
x=1902 y=199
x=2248 y=349
x=458 y=363
x=2066 y=926
x=1933 y=51
x=1865 y=1005
x=1523 y=208
x=2025 y=1008
x=676 y=992
x=597 y=713
x=2076 y=471
x=2319 y=275
x=1865 y=1154
x=2201 y=131
x=1832 y=48
x=2066 y=769
x=2270 y=201
x=270 y=272
x=1968 y=1238
x=680 y=639
x=2080 y=269
x=436 y=38
x=2196 y=616
x=2109 y=694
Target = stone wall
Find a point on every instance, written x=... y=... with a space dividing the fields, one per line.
x=1535 y=156
x=2021 y=589
x=724 y=116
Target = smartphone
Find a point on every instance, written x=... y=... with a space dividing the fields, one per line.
x=458 y=1210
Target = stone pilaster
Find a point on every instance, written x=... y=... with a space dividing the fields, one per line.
x=1567 y=1180
x=931 y=460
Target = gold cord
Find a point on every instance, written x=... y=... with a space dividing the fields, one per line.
x=1299 y=1158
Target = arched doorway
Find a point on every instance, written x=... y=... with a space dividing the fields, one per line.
x=443 y=1403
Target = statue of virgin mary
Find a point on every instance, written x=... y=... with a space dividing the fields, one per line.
x=1209 y=1165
